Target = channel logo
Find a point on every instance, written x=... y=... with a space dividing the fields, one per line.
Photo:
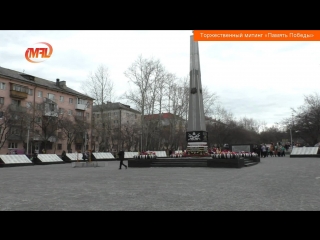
x=39 y=54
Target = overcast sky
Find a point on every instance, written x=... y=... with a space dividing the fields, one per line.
x=260 y=80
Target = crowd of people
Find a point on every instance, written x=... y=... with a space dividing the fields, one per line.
x=272 y=149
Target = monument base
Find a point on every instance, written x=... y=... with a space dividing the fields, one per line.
x=197 y=150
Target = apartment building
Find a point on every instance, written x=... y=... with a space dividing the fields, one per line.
x=116 y=126
x=39 y=115
x=165 y=120
x=164 y=131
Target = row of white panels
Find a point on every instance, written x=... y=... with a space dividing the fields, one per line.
x=10 y=159
x=108 y=155
x=15 y=159
x=304 y=150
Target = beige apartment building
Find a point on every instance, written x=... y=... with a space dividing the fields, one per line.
x=116 y=126
x=39 y=115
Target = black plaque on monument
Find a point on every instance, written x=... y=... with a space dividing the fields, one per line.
x=197 y=136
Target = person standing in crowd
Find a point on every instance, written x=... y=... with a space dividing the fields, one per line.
x=271 y=148
x=276 y=150
x=259 y=150
x=283 y=151
x=279 y=147
x=263 y=150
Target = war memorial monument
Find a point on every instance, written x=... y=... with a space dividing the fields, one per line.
x=196 y=154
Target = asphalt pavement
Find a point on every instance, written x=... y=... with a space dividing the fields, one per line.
x=275 y=184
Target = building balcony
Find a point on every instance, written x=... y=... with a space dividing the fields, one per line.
x=80 y=106
x=79 y=140
x=13 y=137
x=52 y=139
x=14 y=122
x=80 y=118
x=50 y=100
x=36 y=138
x=16 y=108
x=17 y=94
x=51 y=113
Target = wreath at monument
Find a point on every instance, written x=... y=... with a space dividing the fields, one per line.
x=146 y=155
x=228 y=154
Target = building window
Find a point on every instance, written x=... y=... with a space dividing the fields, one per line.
x=1 y=100
x=2 y=86
x=70 y=100
x=61 y=110
x=135 y=116
x=81 y=101
x=39 y=93
x=14 y=131
x=49 y=145
x=78 y=147
x=69 y=112
x=1 y=114
x=79 y=114
x=39 y=106
x=51 y=96
x=61 y=98
x=16 y=102
x=30 y=91
x=13 y=145
x=59 y=146
x=19 y=88
x=38 y=119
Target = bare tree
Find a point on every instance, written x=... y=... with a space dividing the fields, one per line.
x=14 y=124
x=249 y=124
x=210 y=101
x=4 y=125
x=68 y=129
x=46 y=122
x=306 y=120
x=99 y=86
x=143 y=74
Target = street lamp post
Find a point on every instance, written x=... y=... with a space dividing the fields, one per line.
x=291 y=132
x=291 y=139
x=140 y=142
x=28 y=141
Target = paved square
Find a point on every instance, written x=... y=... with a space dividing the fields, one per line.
x=275 y=184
